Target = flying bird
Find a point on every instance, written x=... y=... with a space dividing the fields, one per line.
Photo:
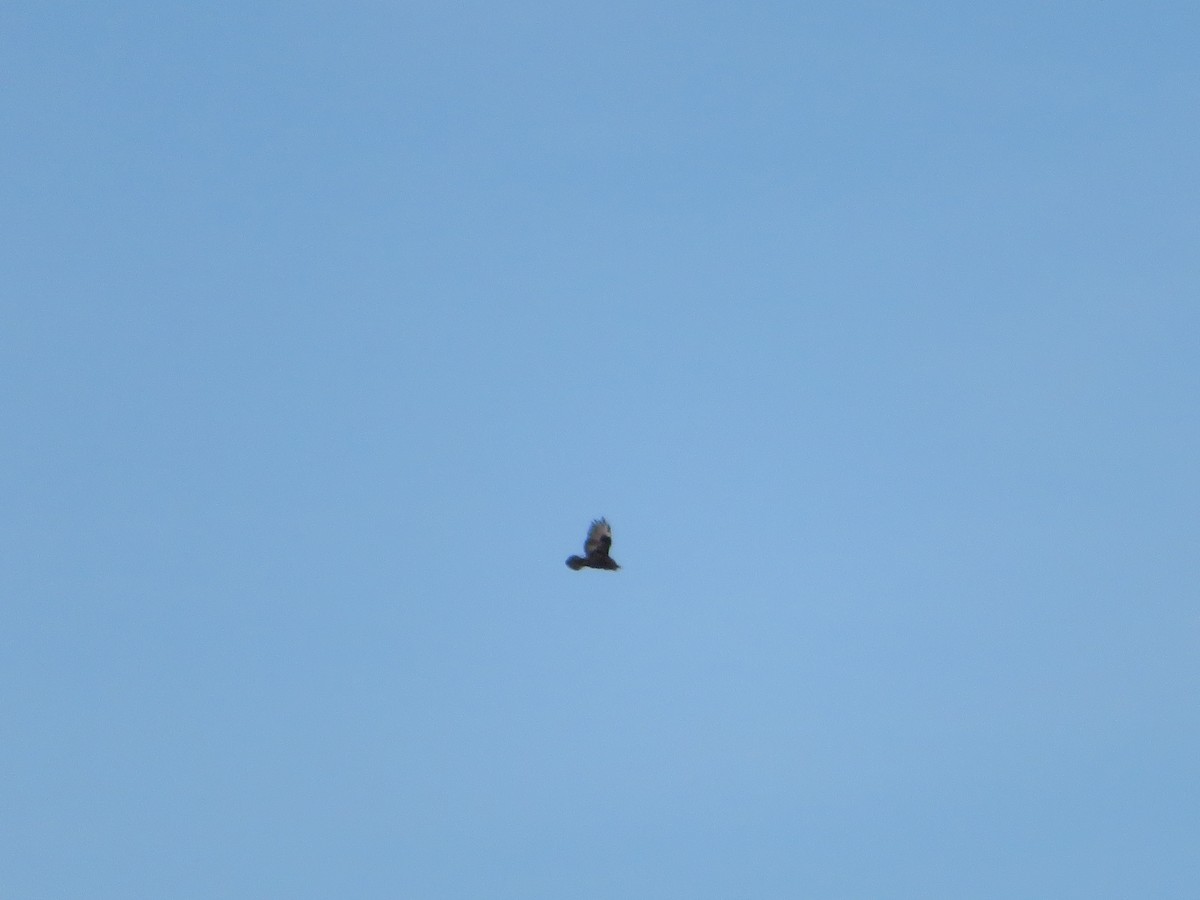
x=599 y=539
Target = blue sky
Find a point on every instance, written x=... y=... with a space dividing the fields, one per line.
x=870 y=327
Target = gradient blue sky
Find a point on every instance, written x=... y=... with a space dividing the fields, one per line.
x=871 y=327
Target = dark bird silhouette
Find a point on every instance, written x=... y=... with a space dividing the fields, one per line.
x=599 y=539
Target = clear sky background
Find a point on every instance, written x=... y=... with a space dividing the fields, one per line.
x=871 y=327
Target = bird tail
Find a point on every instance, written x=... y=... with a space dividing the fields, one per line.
x=575 y=562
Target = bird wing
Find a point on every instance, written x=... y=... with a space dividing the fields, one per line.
x=599 y=538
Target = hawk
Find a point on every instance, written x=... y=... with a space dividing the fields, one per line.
x=599 y=539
